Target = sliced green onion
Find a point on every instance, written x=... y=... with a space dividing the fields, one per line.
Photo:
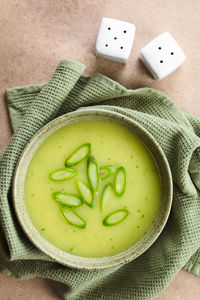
x=120 y=181
x=78 y=155
x=106 y=171
x=93 y=173
x=108 y=188
x=73 y=218
x=62 y=174
x=115 y=217
x=67 y=199
x=85 y=193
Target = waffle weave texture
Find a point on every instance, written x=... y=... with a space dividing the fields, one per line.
x=178 y=134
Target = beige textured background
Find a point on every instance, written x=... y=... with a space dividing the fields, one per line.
x=35 y=35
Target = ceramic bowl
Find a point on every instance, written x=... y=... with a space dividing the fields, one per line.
x=89 y=262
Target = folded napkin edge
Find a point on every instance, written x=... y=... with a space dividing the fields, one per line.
x=35 y=88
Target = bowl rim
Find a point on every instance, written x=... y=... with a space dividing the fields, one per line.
x=49 y=249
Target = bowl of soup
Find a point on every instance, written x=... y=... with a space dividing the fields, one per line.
x=92 y=189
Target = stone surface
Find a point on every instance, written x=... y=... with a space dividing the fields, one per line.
x=35 y=35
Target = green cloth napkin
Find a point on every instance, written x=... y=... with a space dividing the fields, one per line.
x=178 y=134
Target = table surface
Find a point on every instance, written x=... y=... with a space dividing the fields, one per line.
x=35 y=35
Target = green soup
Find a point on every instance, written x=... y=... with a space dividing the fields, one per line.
x=112 y=145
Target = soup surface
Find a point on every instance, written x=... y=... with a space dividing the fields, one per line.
x=112 y=145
